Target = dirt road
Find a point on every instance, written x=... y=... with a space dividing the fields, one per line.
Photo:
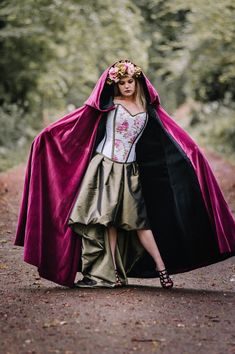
x=37 y=316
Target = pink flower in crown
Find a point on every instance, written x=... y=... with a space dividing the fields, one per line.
x=130 y=69
x=113 y=74
x=121 y=69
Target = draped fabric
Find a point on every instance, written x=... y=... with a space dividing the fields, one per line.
x=110 y=195
x=189 y=217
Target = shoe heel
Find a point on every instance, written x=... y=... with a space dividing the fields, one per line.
x=165 y=280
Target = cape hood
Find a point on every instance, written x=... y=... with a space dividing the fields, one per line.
x=190 y=218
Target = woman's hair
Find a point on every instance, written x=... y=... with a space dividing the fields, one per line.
x=139 y=94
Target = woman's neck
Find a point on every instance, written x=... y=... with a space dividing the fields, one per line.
x=126 y=99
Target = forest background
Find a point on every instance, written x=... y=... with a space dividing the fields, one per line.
x=53 y=52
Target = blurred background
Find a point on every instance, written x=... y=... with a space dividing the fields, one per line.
x=53 y=52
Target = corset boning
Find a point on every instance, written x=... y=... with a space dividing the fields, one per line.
x=123 y=130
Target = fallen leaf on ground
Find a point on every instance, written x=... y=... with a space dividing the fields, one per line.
x=54 y=323
x=3 y=266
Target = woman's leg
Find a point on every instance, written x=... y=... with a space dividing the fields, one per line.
x=149 y=243
x=112 y=232
x=147 y=240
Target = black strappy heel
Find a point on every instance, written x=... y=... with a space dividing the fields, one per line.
x=165 y=280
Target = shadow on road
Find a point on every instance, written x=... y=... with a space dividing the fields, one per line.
x=134 y=289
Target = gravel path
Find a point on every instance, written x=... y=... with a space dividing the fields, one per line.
x=37 y=316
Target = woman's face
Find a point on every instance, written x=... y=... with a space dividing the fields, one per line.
x=127 y=86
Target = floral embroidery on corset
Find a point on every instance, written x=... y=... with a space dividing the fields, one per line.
x=127 y=128
x=119 y=149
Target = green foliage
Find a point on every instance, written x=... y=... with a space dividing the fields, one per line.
x=215 y=47
x=162 y=27
x=25 y=52
x=100 y=33
x=207 y=55
x=53 y=51
x=192 y=42
x=213 y=126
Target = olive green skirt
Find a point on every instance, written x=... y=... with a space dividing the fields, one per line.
x=110 y=195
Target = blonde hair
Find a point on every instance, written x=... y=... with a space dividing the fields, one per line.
x=138 y=95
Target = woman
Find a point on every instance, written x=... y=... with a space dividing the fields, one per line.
x=117 y=200
x=175 y=197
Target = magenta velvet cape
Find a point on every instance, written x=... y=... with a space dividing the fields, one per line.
x=57 y=162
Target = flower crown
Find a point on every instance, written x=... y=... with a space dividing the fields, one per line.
x=121 y=69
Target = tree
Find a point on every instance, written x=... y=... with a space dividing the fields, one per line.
x=53 y=53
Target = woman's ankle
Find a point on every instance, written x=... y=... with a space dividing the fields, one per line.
x=160 y=267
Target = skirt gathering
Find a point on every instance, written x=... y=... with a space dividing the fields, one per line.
x=110 y=195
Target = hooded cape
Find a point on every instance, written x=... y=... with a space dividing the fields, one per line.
x=189 y=217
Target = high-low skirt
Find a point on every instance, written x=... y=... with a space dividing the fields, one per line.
x=110 y=195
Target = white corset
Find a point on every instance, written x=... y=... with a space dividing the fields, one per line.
x=123 y=130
